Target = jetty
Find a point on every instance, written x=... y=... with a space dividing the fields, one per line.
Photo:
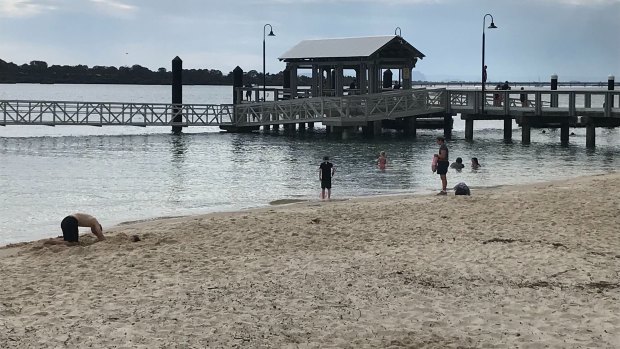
x=373 y=99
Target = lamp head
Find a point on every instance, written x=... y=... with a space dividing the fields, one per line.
x=271 y=32
x=492 y=26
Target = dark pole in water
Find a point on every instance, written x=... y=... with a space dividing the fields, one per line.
x=610 y=87
x=237 y=85
x=177 y=93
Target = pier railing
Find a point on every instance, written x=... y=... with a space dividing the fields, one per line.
x=55 y=113
x=602 y=103
x=354 y=108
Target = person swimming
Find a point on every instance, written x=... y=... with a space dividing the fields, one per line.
x=458 y=165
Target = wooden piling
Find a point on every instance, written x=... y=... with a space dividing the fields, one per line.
x=564 y=134
x=507 y=129
x=411 y=126
x=447 y=126
x=525 y=130
x=469 y=129
x=177 y=93
x=610 y=87
x=590 y=136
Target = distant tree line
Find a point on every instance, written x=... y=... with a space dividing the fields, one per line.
x=40 y=72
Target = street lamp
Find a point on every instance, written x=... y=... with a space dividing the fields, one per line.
x=264 y=76
x=484 y=71
x=398 y=33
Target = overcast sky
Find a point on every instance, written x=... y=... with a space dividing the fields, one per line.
x=577 y=39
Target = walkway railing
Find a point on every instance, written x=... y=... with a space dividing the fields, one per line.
x=601 y=103
x=354 y=109
x=389 y=105
x=54 y=113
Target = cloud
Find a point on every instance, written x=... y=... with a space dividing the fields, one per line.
x=24 y=8
x=375 y=2
x=587 y=2
x=115 y=7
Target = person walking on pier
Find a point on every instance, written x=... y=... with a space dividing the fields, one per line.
x=248 y=92
x=326 y=172
x=443 y=163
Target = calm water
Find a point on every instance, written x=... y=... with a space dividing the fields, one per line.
x=121 y=174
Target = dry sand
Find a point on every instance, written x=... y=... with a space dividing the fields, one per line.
x=529 y=266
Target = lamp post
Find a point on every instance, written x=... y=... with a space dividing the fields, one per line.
x=264 y=76
x=484 y=71
x=398 y=33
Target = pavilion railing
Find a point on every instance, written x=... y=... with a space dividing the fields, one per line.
x=393 y=104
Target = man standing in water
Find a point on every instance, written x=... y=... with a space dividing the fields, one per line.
x=443 y=163
x=326 y=171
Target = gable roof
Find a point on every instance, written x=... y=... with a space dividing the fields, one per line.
x=343 y=48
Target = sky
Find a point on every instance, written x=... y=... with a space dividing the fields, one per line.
x=575 y=39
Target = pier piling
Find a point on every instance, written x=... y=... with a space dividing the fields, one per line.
x=469 y=129
x=525 y=130
x=177 y=93
x=610 y=87
x=508 y=129
x=590 y=135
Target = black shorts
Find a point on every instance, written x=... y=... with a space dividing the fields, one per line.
x=442 y=167
x=326 y=183
x=69 y=226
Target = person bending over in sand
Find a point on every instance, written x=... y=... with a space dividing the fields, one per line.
x=70 y=224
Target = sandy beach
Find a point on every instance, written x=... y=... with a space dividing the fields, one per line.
x=532 y=266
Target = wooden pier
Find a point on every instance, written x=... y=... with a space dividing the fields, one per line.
x=409 y=109
x=58 y=113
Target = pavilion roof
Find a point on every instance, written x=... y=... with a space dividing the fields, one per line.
x=360 y=47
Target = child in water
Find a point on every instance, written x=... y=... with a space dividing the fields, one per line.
x=475 y=164
x=382 y=161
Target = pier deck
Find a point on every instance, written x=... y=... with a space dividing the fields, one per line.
x=588 y=108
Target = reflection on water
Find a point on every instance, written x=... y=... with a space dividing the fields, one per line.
x=120 y=178
x=178 y=148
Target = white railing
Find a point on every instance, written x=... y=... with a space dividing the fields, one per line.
x=602 y=103
x=388 y=105
x=53 y=113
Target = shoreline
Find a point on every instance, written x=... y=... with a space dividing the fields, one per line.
x=287 y=202
x=529 y=265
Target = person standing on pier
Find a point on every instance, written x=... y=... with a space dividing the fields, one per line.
x=326 y=172
x=443 y=163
